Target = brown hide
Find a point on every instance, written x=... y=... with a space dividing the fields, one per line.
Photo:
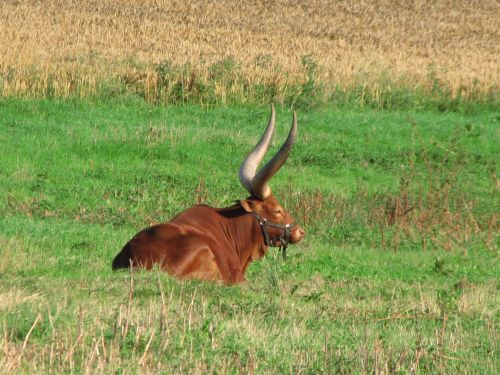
x=207 y=243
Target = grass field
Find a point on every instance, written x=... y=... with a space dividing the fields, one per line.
x=118 y=114
x=375 y=53
x=399 y=271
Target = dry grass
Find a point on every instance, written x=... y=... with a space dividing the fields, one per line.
x=430 y=211
x=149 y=324
x=64 y=47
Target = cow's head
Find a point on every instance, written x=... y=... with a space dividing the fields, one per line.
x=262 y=203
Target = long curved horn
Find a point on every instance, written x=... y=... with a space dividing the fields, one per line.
x=260 y=188
x=251 y=162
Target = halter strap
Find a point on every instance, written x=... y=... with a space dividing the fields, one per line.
x=284 y=237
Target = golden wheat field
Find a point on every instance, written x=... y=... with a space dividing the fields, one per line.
x=73 y=47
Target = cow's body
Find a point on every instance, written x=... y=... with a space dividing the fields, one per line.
x=201 y=242
x=218 y=244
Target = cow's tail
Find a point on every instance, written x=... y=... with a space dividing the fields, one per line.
x=122 y=260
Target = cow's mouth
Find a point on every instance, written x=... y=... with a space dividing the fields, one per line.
x=297 y=235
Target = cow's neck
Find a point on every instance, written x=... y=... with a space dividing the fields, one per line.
x=244 y=233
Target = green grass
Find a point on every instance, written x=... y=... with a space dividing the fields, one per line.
x=398 y=273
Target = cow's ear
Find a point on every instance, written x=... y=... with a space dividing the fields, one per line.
x=248 y=205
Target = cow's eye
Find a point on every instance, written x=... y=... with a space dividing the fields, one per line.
x=278 y=212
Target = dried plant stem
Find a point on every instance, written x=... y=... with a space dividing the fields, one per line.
x=141 y=361
x=25 y=342
x=129 y=304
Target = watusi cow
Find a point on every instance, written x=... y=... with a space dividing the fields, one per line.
x=218 y=244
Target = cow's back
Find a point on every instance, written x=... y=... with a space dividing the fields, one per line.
x=174 y=243
x=197 y=243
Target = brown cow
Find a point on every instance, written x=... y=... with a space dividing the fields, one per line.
x=218 y=244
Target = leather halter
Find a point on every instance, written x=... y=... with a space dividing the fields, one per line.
x=284 y=237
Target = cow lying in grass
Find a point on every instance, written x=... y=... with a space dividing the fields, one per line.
x=218 y=244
